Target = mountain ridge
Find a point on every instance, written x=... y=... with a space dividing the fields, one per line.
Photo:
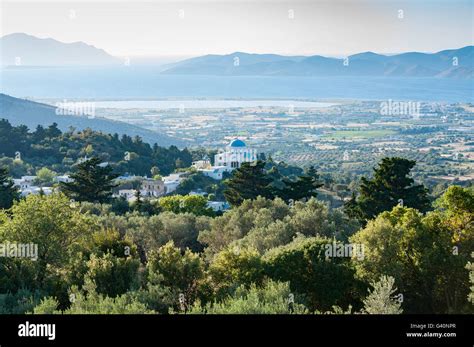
x=409 y=64
x=448 y=63
x=27 y=50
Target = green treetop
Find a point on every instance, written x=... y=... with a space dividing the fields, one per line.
x=304 y=187
x=8 y=192
x=390 y=186
x=91 y=182
x=248 y=182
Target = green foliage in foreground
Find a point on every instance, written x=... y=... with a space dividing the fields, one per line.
x=264 y=256
x=263 y=224
x=58 y=230
x=197 y=181
x=8 y=193
x=323 y=281
x=90 y=302
x=254 y=179
x=380 y=300
x=20 y=302
x=181 y=273
x=113 y=275
x=426 y=255
x=271 y=298
x=234 y=267
x=470 y=267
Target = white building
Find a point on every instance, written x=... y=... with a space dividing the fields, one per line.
x=24 y=182
x=128 y=194
x=235 y=154
x=36 y=191
x=201 y=164
x=149 y=188
x=218 y=205
x=204 y=166
x=128 y=178
x=198 y=192
x=215 y=172
x=152 y=188
x=64 y=178
x=172 y=182
x=26 y=185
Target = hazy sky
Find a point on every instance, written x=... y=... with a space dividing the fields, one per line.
x=186 y=28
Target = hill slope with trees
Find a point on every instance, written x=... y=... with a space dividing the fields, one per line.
x=57 y=150
x=25 y=112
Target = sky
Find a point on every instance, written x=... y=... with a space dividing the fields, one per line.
x=154 y=28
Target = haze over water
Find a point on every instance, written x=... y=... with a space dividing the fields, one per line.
x=139 y=83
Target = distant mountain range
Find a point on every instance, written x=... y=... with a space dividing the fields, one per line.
x=26 y=50
x=457 y=63
x=454 y=63
x=29 y=113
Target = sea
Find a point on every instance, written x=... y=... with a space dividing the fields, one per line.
x=148 y=83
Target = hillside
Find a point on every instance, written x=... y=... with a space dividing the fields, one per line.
x=48 y=146
x=29 y=113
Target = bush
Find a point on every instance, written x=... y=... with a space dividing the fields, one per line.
x=20 y=302
x=323 y=281
x=233 y=267
x=380 y=299
x=90 y=302
x=112 y=275
x=181 y=272
x=272 y=298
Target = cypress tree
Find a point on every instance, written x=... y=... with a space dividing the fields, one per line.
x=8 y=192
x=390 y=186
x=91 y=182
x=248 y=182
x=304 y=187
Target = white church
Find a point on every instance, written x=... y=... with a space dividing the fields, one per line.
x=235 y=154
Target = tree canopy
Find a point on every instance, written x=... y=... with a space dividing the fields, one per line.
x=391 y=185
x=91 y=182
x=8 y=192
x=248 y=182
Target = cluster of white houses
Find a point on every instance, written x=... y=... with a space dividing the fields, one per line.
x=27 y=185
x=234 y=155
x=150 y=188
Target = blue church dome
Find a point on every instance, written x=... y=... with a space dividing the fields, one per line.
x=237 y=143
